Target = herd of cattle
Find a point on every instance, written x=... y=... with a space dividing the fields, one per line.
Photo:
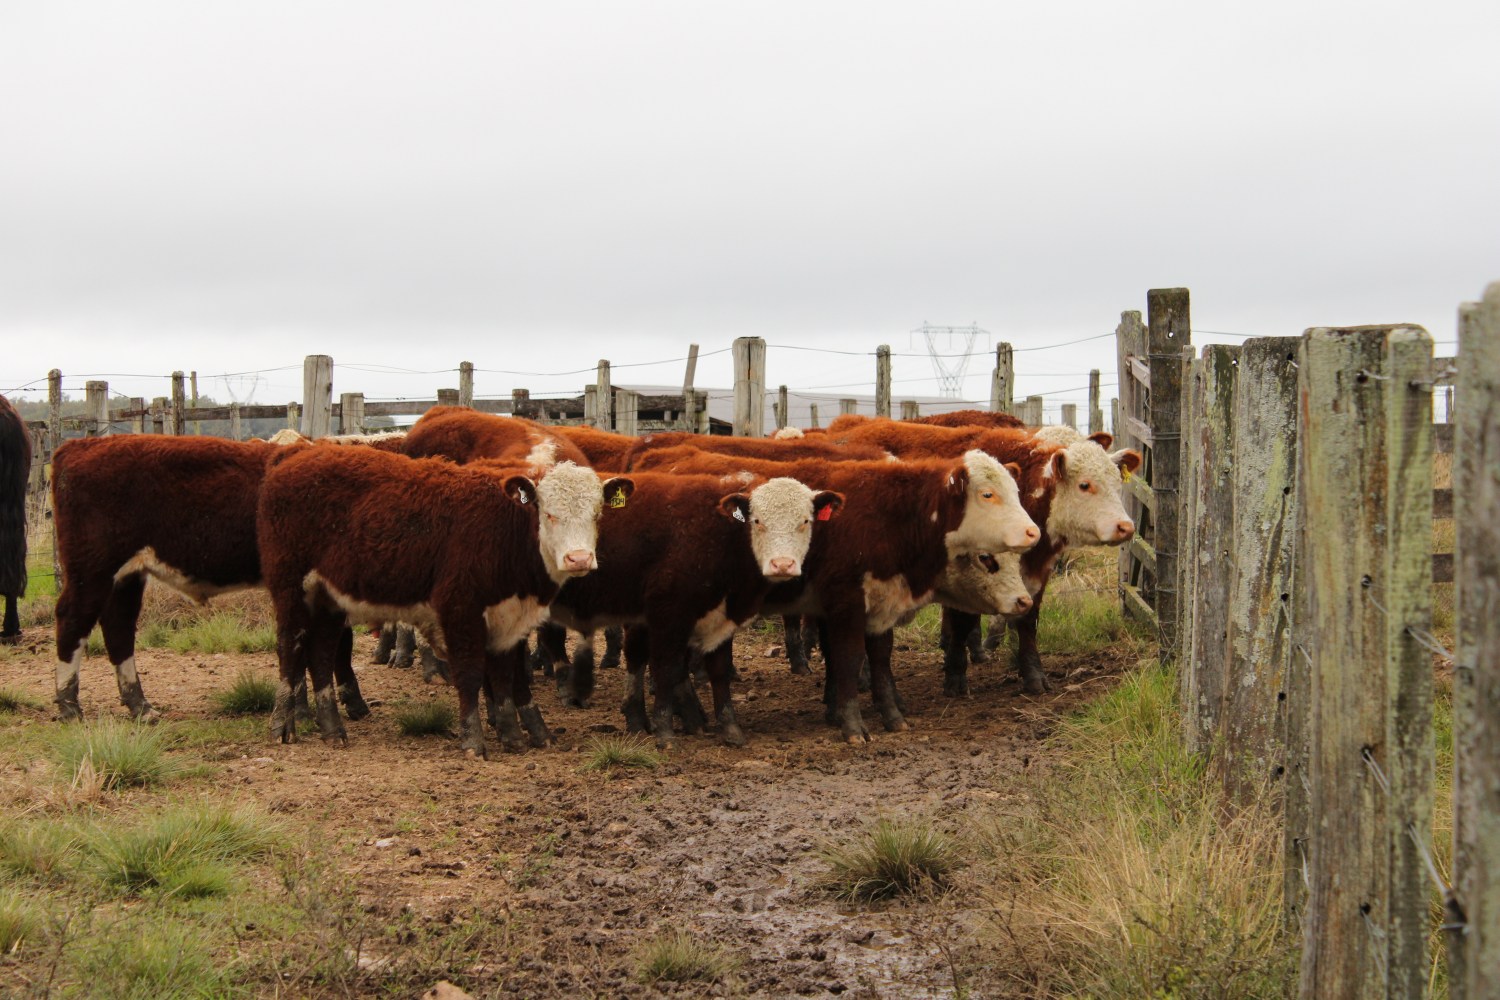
x=479 y=530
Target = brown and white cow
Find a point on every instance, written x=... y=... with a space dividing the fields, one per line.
x=902 y=524
x=474 y=554
x=775 y=449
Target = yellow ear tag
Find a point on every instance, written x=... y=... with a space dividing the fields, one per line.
x=1124 y=474
x=618 y=500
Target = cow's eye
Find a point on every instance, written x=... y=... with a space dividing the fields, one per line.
x=988 y=495
x=1085 y=486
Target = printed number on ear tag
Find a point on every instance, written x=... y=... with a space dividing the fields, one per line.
x=825 y=514
x=739 y=515
x=618 y=500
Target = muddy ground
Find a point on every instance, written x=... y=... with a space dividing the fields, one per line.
x=721 y=842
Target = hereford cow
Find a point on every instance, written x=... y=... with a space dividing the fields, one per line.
x=767 y=449
x=604 y=450
x=691 y=558
x=461 y=435
x=15 y=469
x=180 y=509
x=967 y=418
x=902 y=524
x=474 y=554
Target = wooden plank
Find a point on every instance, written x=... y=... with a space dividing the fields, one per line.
x=1297 y=817
x=1188 y=568
x=749 y=387
x=351 y=413
x=627 y=411
x=1206 y=647
x=1138 y=370
x=317 y=395
x=1170 y=338
x=1444 y=371
x=910 y=409
x=1070 y=415
x=883 y=380
x=1135 y=487
x=1143 y=552
x=847 y=406
x=1130 y=339
x=1474 y=952
x=447 y=397
x=1367 y=463
x=1261 y=544
x=1137 y=606
x=1138 y=431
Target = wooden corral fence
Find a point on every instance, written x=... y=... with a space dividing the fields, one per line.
x=1300 y=616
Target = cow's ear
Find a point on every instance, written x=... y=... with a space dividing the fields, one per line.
x=1014 y=468
x=827 y=504
x=618 y=490
x=958 y=480
x=1128 y=460
x=1057 y=466
x=1103 y=439
x=737 y=506
x=520 y=489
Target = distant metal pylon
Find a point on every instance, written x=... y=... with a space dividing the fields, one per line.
x=951 y=367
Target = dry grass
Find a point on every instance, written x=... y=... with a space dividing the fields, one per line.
x=679 y=957
x=623 y=752
x=891 y=858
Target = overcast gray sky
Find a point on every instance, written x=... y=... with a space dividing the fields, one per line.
x=532 y=187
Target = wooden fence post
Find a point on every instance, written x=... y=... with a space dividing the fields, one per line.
x=1130 y=344
x=138 y=422
x=447 y=397
x=197 y=424
x=883 y=380
x=351 y=413
x=1474 y=953
x=910 y=410
x=179 y=404
x=160 y=424
x=96 y=408
x=627 y=411
x=1033 y=412
x=847 y=405
x=1002 y=380
x=1070 y=415
x=749 y=387
x=466 y=383
x=54 y=407
x=1366 y=461
x=604 y=398
x=813 y=419
x=234 y=422
x=1169 y=334
x=1212 y=508
x=1096 y=415
x=1261 y=548
x=294 y=416
x=590 y=406
x=783 y=416
x=689 y=397
x=317 y=395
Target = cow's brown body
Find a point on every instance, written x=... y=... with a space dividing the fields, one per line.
x=15 y=469
x=767 y=449
x=463 y=435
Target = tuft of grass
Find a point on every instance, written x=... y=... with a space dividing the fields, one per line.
x=426 y=718
x=39 y=849
x=679 y=957
x=17 y=923
x=120 y=754
x=249 y=694
x=223 y=633
x=606 y=753
x=15 y=700
x=166 y=962
x=891 y=858
x=186 y=851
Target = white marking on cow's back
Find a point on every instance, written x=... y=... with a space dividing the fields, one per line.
x=146 y=561
x=421 y=615
x=713 y=629
x=543 y=455
x=788 y=433
x=887 y=600
x=512 y=620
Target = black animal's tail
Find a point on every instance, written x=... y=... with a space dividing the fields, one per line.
x=15 y=468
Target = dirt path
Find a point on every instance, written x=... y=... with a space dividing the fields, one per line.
x=720 y=842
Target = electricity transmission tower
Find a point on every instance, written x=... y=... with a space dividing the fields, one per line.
x=950 y=366
x=241 y=388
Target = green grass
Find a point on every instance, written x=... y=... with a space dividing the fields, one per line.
x=251 y=693
x=426 y=718
x=624 y=752
x=891 y=858
x=186 y=852
x=222 y=632
x=163 y=961
x=13 y=700
x=679 y=957
x=120 y=754
x=18 y=923
x=39 y=849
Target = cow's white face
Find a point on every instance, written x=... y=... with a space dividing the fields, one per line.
x=994 y=520
x=569 y=499
x=1086 y=506
x=779 y=514
x=985 y=585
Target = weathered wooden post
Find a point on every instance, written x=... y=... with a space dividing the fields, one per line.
x=1096 y=415
x=447 y=397
x=351 y=413
x=813 y=418
x=54 y=406
x=1212 y=507
x=466 y=383
x=1002 y=380
x=1261 y=549
x=234 y=422
x=1474 y=951
x=847 y=405
x=910 y=410
x=749 y=387
x=179 y=404
x=197 y=424
x=1070 y=415
x=590 y=406
x=1034 y=412
x=1130 y=346
x=1169 y=333
x=701 y=396
x=520 y=406
x=294 y=416
x=627 y=411
x=138 y=422
x=1366 y=462
x=160 y=422
x=604 y=398
x=883 y=380
x=317 y=395
x=689 y=397
x=1193 y=407
x=96 y=408
x=783 y=416
x=1114 y=416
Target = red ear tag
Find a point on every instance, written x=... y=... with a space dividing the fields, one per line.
x=825 y=514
